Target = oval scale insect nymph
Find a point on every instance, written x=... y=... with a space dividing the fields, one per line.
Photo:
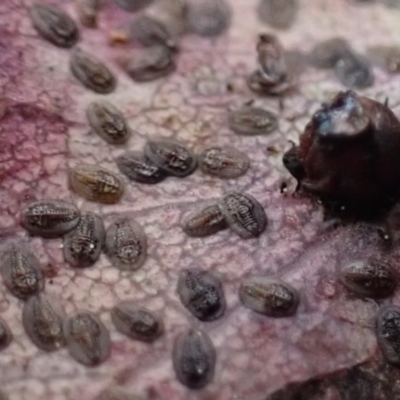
x=82 y=246
x=126 y=244
x=388 y=333
x=88 y=340
x=96 y=184
x=21 y=272
x=244 y=215
x=269 y=296
x=194 y=359
x=137 y=322
x=202 y=294
x=371 y=278
x=205 y=221
x=49 y=218
x=108 y=122
x=42 y=318
x=54 y=25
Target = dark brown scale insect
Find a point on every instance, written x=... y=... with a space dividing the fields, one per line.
x=137 y=167
x=194 y=359
x=54 y=25
x=87 y=11
x=244 y=215
x=21 y=272
x=172 y=157
x=82 y=246
x=108 y=122
x=279 y=14
x=272 y=77
x=117 y=393
x=91 y=72
x=49 y=218
x=359 y=132
x=208 y=17
x=6 y=336
x=204 y=222
x=224 y=162
x=268 y=296
x=133 y=5
x=96 y=184
x=126 y=244
x=149 y=63
x=371 y=278
x=291 y=160
x=202 y=294
x=150 y=32
x=250 y=120
x=328 y=52
x=354 y=71
x=137 y=322
x=42 y=318
x=88 y=340
x=388 y=333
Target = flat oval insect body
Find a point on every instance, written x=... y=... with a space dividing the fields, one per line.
x=252 y=121
x=204 y=222
x=194 y=359
x=225 y=162
x=371 y=278
x=150 y=63
x=268 y=296
x=82 y=246
x=42 y=318
x=136 y=322
x=244 y=215
x=133 y=5
x=108 y=122
x=21 y=272
x=171 y=156
x=5 y=336
x=126 y=244
x=91 y=72
x=202 y=294
x=54 y=25
x=388 y=333
x=96 y=184
x=49 y=218
x=88 y=340
x=87 y=11
x=137 y=167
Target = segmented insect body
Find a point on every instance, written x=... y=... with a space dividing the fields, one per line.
x=126 y=244
x=224 y=162
x=150 y=63
x=137 y=322
x=202 y=294
x=371 y=278
x=96 y=184
x=268 y=296
x=171 y=156
x=42 y=318
x=54 y=25
x=88 y=340
x=204 y=222
x=137 y=167
x=250 y=120
x=91 y=72
x=108 y=122
x=49 y=218
x=82 y=246
x=194 y=359
x=244 y=215
x=5 y=335
x=21 y=272
x=388 y=333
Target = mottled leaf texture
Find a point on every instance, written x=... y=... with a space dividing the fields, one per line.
x=328 y=348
